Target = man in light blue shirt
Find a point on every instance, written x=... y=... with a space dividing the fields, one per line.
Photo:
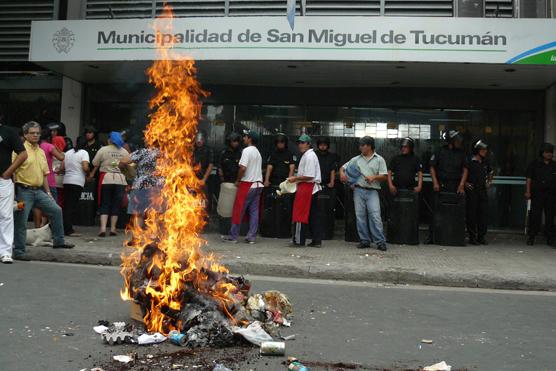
x=365 y=173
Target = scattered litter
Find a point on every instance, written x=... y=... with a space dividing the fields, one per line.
x=118 y=333
x=273 y=348
x=68 y=334
x=123 y=358
x=427 y=341
x=155 y=338
x=520 y=252
x=253 y=333
x=295 y=365
x=176 y=366
x=220 y=367
x=177 y=338
x=289 y=337
x=1 y=283
x=238 y=257
x=100 y=329
x=150 y=356
x=441 y=366
x=97 y=369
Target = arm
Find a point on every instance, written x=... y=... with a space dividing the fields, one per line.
x=302 y=178
x=419 y=182
x=221 y=174
x=207 y=174
x=92 y=173
x=376 y=178
x=391 y=185
x=21 y=157
x=343 y=177
x=267 y=175
x=461 y=187
x=85 y=166
x=125 y=161
x=435 y=184
x=332 y=178
x=528 y=188
x=292 y=169
x=57 y=154
x=240 y=173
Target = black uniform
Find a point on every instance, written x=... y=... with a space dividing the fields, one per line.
x=404 y=169
x=328 y=161
x=280 y=161
x=203 y=156
x=9 y=143
x=543 y=196
x=229 y=164
x=449 y=165
x=477 y=198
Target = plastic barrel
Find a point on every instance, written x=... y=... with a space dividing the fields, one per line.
x=403 y=221
x=86 y=205
x=276 y=216
x=327 y=202
x=449 y=219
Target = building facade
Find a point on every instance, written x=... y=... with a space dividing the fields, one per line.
x=338 y=68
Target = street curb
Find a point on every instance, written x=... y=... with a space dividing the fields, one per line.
x=392 y=276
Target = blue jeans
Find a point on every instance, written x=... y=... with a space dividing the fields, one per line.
x=40 y=200
x=367 y=213
x=250 y=206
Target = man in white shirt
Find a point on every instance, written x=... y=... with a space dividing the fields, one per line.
x=250 y=185
x=305 y=208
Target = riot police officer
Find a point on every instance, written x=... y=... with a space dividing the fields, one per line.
x=541 y=190
x=448 y=167
x=478 y=182
x=328 y=162
x=404 y=168
x=280 y=163
x=229 y=159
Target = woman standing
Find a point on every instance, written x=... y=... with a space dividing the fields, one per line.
x=76 y=166
x=112 y=182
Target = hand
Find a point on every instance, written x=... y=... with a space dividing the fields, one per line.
x=469 y=186
x=370 y=178
x=488 y=184
x=236 y=183
x=330 y=185
x=436 y=187
x=343 y=178
x=417 y=189
x=202 y=182
x=393 y=189
x=527 y=195
x=292 y=179
x=461 y=189
x=266 y=183
x=6 y=176
x=49 y=194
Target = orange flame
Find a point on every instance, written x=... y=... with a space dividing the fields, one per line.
x=175 y=107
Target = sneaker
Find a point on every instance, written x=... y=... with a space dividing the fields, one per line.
x=251 y=242
x=363 y=245
x=64 y=246
x=315 y=244
x=228 y=239
x=382 y=247
x=6 y=259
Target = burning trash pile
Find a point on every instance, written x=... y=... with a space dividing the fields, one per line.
x=183 y=293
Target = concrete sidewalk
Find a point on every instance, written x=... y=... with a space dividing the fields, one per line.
x=506 y=263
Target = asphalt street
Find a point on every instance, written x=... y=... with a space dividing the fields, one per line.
x=48 y=310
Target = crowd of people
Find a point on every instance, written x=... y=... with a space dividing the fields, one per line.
x=45 y=174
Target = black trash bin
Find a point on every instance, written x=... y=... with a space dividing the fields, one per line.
x=403 y=218
x=327 y=206
x=449 y=219
x=276 y=216
x=351 y=234
x=87 y=205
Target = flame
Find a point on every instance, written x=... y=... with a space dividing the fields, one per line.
x=179 y=261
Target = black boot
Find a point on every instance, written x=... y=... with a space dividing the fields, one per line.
x=482 y=241
x=530 y=240
x=473 y=240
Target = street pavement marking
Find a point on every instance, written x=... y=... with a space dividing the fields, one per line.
x=376 y=285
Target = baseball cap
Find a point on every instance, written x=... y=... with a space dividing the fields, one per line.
x=304 y=138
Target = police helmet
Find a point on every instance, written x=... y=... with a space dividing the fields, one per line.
x=323 y=140
x=546 y=147
x=408 y=142
x=233 y=137
x=478 y=145
x=281 y=137
x=452 y=135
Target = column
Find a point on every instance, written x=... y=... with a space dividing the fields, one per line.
x=550 y=114
x=70 y=112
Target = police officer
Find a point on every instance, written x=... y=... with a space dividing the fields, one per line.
x=203 y=157
x=404 y=168
x=448 y=167
x=229 y=159
x=541 y=190
x=478 y=182
x=280 y=163
x=328 y=162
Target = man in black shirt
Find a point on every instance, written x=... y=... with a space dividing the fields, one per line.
x=9 y=143
x=203 y=158
x=229 y=159
x=280 y=164
x=93 y=145
x=541 y=190
x=328 y=162
x=478 y=182
x=404 y=168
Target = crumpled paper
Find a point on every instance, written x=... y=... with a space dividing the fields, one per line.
x=123 y=358
x=155 y=338
x=441 y=366
x=254 y=333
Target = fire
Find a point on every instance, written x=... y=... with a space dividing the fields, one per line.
x=171 y=240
